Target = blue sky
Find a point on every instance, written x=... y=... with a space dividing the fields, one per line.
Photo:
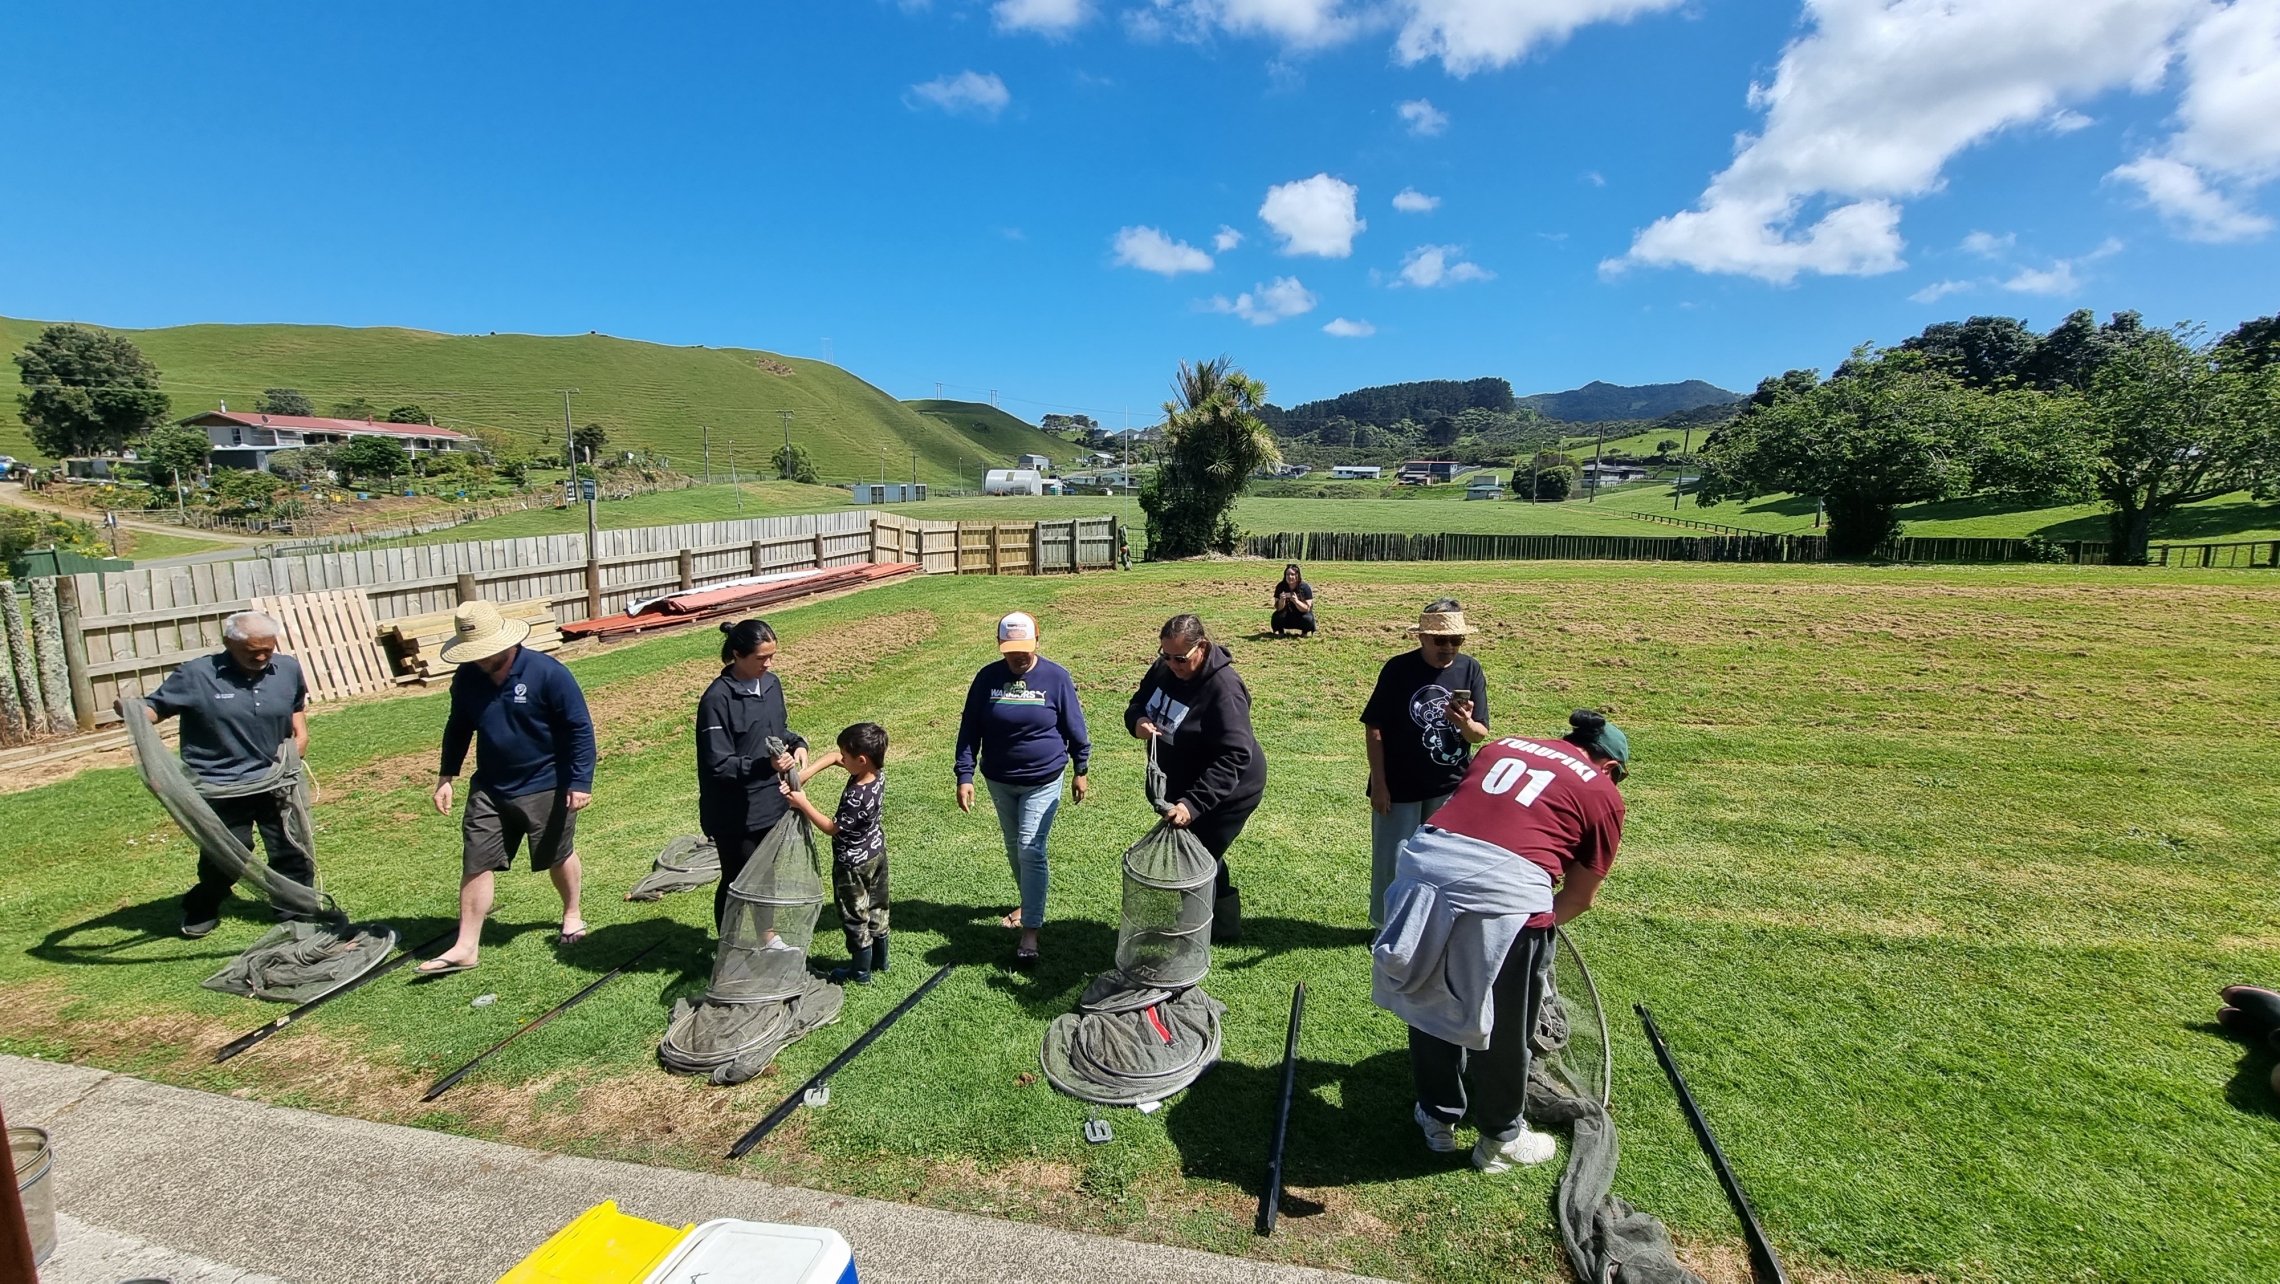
x=1060 y=199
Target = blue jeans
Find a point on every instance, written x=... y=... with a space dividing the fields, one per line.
x=1025 y=814
x=1387 y=834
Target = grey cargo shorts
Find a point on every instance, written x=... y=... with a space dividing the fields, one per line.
x=493 y=827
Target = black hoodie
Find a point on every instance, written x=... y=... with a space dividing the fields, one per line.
x=736 y=781
x=1210 y=759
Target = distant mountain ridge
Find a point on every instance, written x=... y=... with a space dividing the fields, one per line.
x=1597 y=401
x=1393 y=402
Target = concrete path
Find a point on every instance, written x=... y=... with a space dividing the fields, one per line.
x=215 y=1190
x=15 y=494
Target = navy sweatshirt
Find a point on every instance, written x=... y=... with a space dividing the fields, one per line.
x=1025 y=728
x=535 y=733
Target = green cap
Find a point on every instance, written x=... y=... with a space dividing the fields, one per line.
x=1594 y=731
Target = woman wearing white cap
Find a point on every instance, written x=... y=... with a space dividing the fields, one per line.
x=1023 y=721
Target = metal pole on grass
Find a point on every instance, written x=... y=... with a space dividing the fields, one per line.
x=1270 y=1198
x=784 y=1109
x=445 y=1084
x=708 y=456
x=244 y=1041
x=1764 y=1264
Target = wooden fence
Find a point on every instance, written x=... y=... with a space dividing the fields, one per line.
x=1343 y=546
x=125 y=631
x=1339 y=546
x=2240 y=553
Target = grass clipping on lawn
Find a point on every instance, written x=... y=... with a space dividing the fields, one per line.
x=1930 y=875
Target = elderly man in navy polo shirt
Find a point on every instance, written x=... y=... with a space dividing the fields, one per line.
x=237 y=709
x=534 y=769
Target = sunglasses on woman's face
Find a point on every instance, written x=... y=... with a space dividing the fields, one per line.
x=1180 y=657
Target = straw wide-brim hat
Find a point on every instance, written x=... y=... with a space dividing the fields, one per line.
x=479 y=632
x=1441 y=624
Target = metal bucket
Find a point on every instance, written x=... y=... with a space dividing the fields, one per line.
x=35 y=1170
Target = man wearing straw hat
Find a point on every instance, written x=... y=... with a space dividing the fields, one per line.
x=534 y=769
x=1429 y=708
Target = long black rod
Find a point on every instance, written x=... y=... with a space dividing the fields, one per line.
x=244 y=1041
x=1764 y=1263
x=784 y=1109
x=1270 y=1199
x=444 y=1084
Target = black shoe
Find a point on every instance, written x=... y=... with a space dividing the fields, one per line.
x=879 y=952
x=1227 y=918
x=196 y=930
x=858 y=968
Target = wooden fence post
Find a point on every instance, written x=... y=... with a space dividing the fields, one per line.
x=997 y=533
x=759 y=557
x=819 y=548
x=47 y=637
x=466 y=588
x=1037 y=549
x=688 y=569
x=75 y=653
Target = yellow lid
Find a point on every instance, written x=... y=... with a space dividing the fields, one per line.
x=602 y=1246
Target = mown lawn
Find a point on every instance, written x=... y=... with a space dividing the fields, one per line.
x=1931 y=878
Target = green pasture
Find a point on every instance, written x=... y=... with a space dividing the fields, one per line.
x=1930 y=876
x=2228 y=517
x=646 y=394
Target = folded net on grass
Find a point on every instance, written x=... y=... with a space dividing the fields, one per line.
x=1608 y=1241
x=689 y=861
x=762 y=997
x=296 y=961
x=1146 y=1030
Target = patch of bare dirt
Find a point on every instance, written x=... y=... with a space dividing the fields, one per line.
x=632 y=703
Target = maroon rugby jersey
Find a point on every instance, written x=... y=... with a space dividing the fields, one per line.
x=1538 y=799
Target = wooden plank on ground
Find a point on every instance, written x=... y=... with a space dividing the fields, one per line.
x=331 y=633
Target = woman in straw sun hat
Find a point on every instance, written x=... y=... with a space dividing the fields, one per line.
x=1429 y=708
x=534 y=769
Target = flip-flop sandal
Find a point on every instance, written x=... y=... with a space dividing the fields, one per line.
x=446 y=970
x=1025 y=960
x=572 y=938
x=1012 y=921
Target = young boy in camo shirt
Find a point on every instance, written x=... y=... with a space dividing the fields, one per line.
x=858 y=845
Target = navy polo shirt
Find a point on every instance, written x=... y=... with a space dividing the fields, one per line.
x=232 y=721
x=532 y=733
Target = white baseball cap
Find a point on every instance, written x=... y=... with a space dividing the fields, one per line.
x=1017 y=632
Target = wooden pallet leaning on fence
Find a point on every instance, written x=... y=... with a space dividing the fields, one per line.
x=330 y=633
x=415 y=642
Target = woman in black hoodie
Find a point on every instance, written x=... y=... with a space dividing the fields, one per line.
x=737 y=799
x=1196 y=706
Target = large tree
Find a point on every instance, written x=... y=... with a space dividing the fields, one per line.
x=284 y=401
x=2070 y=355
x=1214 y=441
x=1983 y=352
x=1889 y=428
x=87 y=392
x=2170 y=422
x=175 y=454
x=591 y=437
x=792 y=464
x=410 y=413
x=372 y=456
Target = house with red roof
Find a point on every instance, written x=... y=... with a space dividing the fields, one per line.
x=247 y=440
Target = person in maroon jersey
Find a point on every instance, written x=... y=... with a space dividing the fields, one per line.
x=1469 y=920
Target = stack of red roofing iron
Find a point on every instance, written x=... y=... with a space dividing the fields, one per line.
x=681 y=609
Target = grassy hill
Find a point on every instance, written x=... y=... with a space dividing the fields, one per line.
x=503 y=386
x=982 y=421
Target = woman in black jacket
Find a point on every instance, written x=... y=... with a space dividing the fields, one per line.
x=737 y=799
x=1196 y=706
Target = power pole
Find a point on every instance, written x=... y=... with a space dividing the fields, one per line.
x=569 y=443
x=732 y=483
x=596 y=483
x=938 y=390
x=1596 y=452
x=708 y=456
x=786 y=415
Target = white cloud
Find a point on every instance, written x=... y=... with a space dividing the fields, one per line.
x=1150 y=250
x=1314 y=216
x=1225 y=239
x=1345 y=329
x=1477 y=35
x=1431 y=265
x=1298 y=24
x=1267 y=304
x=2059 y=279
x=1938 y=290
x=1867 y=107
x=1987 y=245
x=1045 y=17
x=968 y=91
x=2066 y=122
x=2226 y=143
x=1595 y=178
x=1423 y=118
x=1411 y=201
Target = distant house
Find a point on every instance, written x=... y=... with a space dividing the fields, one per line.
x=888 y=492
x=1599 y=474
x=1102 y=459
x=248 y=440
x=1356 y=472
x=1286 y=470
x=1014 y=481
x=1038 y=462
x=1484 y=487
x=1428 y=472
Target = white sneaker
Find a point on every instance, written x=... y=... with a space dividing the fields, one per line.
x=1527 y=1148
x=1440 y=1138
